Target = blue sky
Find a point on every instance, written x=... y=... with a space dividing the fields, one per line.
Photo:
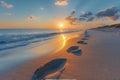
x=47 y=11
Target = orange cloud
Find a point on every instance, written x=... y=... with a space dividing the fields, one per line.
x=4 y=4
x=31 y=17
x=61 y=3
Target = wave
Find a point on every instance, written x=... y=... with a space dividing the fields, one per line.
x=8 y=41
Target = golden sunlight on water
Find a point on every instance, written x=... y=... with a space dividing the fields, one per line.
x=51 y=46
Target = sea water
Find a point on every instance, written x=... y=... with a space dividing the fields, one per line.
x=13 y=42
x=12 y=38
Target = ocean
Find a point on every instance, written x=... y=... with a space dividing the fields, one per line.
x=12 y=38
x=18 y=46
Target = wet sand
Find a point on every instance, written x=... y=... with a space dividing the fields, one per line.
x=99 y=60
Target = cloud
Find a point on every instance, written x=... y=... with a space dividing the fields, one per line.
x=115 y=17
x=41 y=8
x=72 y=13
x=82 y=19
x=9 y=14
x=71 y=19
x=31 y=17
x=4 y=4
x=91 y=18
x=86 y=14
x=111 y=13
x=61 y=2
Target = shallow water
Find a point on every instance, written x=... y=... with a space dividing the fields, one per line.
x=12 y=38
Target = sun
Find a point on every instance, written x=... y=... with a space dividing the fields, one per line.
x=61 y=25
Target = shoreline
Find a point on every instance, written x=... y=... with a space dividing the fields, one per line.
x=29 y=68
x=99 y=60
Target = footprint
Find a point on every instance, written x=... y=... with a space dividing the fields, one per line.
x=75 y=50
x=84 y=38
x=78 y=52
x=72 y=48
x=61 y=72
x=56 y=75
x=49 y=68
x=81 y=42
x=86 y=34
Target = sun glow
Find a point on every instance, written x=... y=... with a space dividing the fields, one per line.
x=61 y=25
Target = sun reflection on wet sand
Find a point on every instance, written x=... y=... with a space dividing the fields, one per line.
x=63 y=38
x=51 y=46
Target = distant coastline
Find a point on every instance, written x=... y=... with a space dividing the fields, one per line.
x=108 y=28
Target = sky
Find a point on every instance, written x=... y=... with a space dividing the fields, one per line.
x=51 y=13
